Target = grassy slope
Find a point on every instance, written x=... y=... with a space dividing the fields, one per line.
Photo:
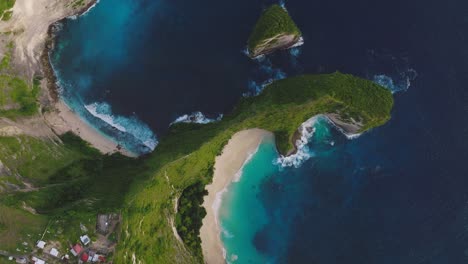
x=74 y=182
x=17 y=97
x=4 y=6
x=19 y=224
x=274 y=20
x=77 y=182
x=35 y=159
x=186 y=156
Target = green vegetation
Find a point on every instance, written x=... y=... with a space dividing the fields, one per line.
x=275 y=21
x=185 y=157
x=17 y=224
x=76 y=182
x=73 y=182
x=17 y=97
x=35 y=159
x=5 y=62
x=78 y=3
x=190 y=216
x=7 y=15
x=5 y=6
x=74 y=176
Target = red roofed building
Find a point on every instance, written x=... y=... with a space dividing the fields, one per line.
x=76 y=250
x=84 y=257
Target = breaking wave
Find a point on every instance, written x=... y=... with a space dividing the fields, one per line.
x=84 y=12
x=196 y=118
x=126 y=126
x=398 y=84
x=303 y=152
x=271 y=74
x=393 y=72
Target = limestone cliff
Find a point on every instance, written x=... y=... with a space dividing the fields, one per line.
x=274 y=30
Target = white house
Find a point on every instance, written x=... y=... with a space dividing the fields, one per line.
x=85 y=240
x=41 y=244
x=54 y=252
x=38 y=261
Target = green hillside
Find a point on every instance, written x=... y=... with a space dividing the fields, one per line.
x=76 y=182
x=275 y=21
x=185 y=157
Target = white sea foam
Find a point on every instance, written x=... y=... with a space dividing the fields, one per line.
x=272 y=73
x=233 y=258
x=295 y=52
x=347 y=135
x=90 y=8
x=102 y=111
x=303 y=152
x=239 y=173
x=226 y=233
x=131 y=125
x=299 y=43
x=86 y=12
x=394 y=86
x=397 y=74
x=217 y=204
x=197 y=118
x=282 y=4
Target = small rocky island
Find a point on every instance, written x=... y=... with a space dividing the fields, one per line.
x=274 y=30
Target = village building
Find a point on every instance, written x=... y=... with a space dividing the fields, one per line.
x=40 y=244
x=54 y=252
x=85 y=240
x=84 y=257
x=22 y=260
x=36 y=260
x=76 y=250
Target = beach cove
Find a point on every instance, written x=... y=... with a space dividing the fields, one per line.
x=240 y=148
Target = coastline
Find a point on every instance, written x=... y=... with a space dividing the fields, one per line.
x=237 y=151
x=349 y=130
x=61 y=118
x=227 y=169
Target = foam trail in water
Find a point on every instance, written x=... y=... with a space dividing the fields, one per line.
x=85 y=12
x=265 y=68
x=196 y=118
x=401 y=83
x=393 y=72
x=129 y=125
x=303 y=152
x=347 y=135
x=239 y=173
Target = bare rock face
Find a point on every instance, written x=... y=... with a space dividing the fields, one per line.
x=279 y=42
x=274 y=30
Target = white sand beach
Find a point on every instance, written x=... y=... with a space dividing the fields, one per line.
x=63 y=120
x=30 y=22
x=234 y=155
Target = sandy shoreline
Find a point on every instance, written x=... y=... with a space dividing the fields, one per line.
x=63 y=120
x=33 y=22
x=234 y=155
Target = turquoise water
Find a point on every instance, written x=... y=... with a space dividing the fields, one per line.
x=90 y=51
x=397 y=194
x=243 y=214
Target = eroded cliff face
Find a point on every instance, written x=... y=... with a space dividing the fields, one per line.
x=274 y=30
x=28 y=26
x=278 y=42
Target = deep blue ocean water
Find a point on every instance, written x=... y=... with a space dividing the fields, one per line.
x=398 y=194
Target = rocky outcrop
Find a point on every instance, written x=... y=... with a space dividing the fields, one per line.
x=278 y=42
x=274 y=30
